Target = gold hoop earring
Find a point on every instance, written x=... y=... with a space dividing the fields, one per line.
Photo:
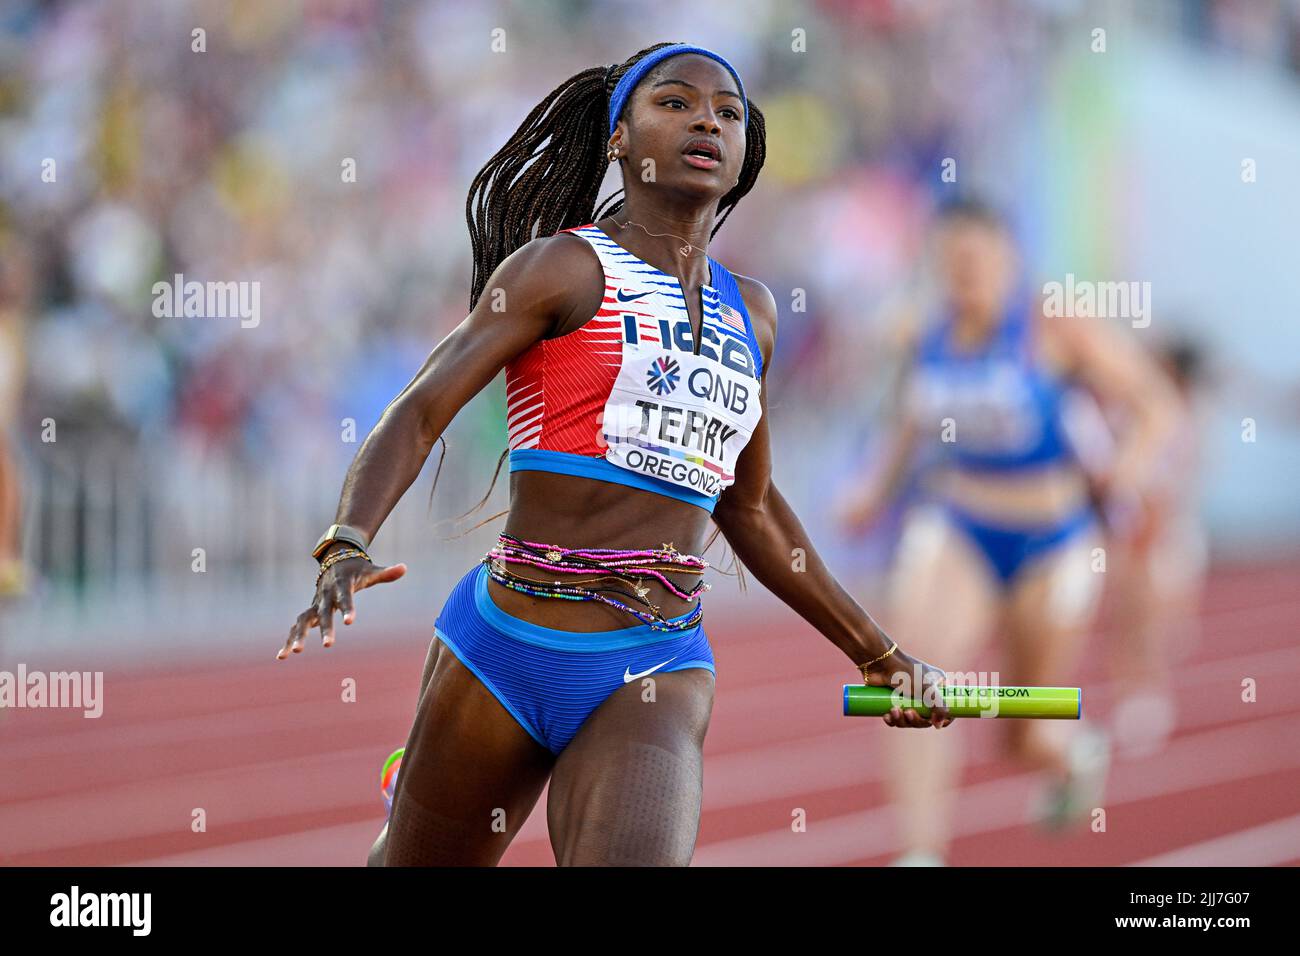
x=611 y=154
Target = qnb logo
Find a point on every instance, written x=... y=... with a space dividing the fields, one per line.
x=662 y=375
x=102 y=909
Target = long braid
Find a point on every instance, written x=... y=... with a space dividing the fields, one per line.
x=547 y=178
x=544 y=179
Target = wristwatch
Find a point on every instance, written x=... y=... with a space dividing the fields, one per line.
x=340 y=532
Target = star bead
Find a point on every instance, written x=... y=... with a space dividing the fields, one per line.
x=641 y=591
x=668 y=546
x=553 y=555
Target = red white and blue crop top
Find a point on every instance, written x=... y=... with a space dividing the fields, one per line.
x=626 y=398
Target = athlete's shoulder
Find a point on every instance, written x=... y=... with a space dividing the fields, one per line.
x=761 y=305
x=554 y=276
x=561 y=257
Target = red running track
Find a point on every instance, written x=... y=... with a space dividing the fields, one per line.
x=286 y=772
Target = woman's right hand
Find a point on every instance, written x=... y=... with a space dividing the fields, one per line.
x=902 y=671
x=334 y=593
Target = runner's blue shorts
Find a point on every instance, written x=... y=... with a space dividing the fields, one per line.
x=550 y=680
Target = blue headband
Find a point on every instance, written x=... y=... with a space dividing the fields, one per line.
x=625 y=86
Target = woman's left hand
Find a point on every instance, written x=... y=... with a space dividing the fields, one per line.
x=902 y=671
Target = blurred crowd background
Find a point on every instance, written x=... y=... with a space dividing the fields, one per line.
x=127 y=157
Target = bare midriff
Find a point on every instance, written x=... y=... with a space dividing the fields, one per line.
x=574 y=512
x=1038 y=497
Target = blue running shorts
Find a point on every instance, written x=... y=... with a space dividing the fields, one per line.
x=551 y=680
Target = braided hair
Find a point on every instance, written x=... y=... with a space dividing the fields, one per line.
x=547 y=177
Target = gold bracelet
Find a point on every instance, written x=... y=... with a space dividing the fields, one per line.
x=341 y=555
x=863 y=667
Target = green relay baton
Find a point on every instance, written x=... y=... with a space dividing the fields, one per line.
x=1059 y=703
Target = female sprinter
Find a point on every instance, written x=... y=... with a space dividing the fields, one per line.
x=1158 y=560
x=1005 y=534
x=634 y=372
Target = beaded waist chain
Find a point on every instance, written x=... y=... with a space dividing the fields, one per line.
x=606 y=564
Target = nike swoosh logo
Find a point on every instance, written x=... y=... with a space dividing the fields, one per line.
x=628 y=676
x=633 y=298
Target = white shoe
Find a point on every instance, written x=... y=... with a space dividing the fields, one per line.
x=1143 y=723
x=918 y=858
x=1073 y=799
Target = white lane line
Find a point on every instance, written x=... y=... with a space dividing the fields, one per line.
x=150 y=807
x=343 y=844
x=96 y=737
x=1232 y=623
x=1269 y=844
x=1194 y=761
x=739 y=776
x=821 y=763
x=238 y=716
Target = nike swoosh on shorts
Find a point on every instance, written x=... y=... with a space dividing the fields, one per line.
x=628 y=676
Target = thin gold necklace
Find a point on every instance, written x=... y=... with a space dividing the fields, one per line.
x=685 y=250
